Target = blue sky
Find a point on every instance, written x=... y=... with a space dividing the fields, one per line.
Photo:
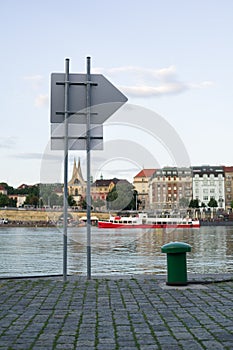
x=172 y=57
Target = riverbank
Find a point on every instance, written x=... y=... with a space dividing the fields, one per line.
x=216 y=223
x=51 y=218
x=42 y=217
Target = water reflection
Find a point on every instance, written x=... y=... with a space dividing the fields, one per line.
x=27 y=251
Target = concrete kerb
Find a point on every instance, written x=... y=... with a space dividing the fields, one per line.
x=193 y=278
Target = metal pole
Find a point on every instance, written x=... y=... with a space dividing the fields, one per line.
x=65 y=195
x=88 y=104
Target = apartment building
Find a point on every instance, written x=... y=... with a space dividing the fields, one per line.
x=208 y=182
x=141 y=185
x=228 y=170
x=170 y=188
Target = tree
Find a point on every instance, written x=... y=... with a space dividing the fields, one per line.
x=98 y=203
x=212 y=203
x=121 y=196
x=48 y=194
x=194 y=203
x=71 y=201
x=10 y=189
x=4 y=200
x=83 y=203
x=31 y=199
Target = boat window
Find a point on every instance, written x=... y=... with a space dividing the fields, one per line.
x=129 y=222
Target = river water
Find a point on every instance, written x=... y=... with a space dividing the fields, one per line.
x=39 y=251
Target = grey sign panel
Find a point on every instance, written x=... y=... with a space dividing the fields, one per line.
x=76 y=144
x=76 y=130
x=106 y=99
x=76 y=136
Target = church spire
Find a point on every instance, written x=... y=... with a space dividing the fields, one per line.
x=77 y=176
x=74 y=168
x=79 y=171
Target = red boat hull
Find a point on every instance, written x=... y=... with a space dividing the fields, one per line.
x=106 y=224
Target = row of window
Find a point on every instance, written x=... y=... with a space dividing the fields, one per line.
x=172 y=178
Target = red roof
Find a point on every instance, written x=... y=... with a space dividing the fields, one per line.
x=228 y=169
x=23 y=186
x=145 y=173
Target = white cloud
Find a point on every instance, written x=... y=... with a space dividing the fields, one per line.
x=158 y=73
x=147 y=82
x=150 y=91
x=7 y=142
x=41 y=101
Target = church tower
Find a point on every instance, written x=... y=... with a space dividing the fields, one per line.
x=77 y=185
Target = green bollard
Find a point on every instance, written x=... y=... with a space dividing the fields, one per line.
x=176 y=263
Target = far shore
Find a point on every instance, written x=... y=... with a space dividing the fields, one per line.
x=53 y=218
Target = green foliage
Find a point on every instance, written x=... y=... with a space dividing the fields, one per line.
x=10 y=189
x=71 y=201
x=32 y=200
x=194 y=203
x=98 y=203
x=83 y=203
x=4 y=200
x=121 y=197
x=48 y=195
x=212 y=203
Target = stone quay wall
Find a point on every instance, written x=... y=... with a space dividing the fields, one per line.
x=19 y=215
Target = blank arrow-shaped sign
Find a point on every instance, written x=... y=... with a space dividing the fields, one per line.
x=106 y=99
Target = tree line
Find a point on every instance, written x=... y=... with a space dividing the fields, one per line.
x=123 y=196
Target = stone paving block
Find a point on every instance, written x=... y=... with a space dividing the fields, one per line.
x=213 y=344
x=191 y=345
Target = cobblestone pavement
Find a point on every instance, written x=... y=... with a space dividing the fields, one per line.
x=138 y=312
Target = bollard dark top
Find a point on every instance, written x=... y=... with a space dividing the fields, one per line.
x=176 y=247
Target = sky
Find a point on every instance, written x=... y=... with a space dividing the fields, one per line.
x=172 y=59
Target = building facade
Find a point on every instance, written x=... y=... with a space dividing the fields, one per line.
x=141 y=185
x=77 y=185
x=228 y=186
x=170 y=188
x=208 y=182
x=3 y=190
x=100 y=188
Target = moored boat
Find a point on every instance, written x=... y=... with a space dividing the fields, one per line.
x=143 y=221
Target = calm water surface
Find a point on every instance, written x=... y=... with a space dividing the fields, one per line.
x=39 y=251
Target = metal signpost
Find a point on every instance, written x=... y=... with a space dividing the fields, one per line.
x=80 y=103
